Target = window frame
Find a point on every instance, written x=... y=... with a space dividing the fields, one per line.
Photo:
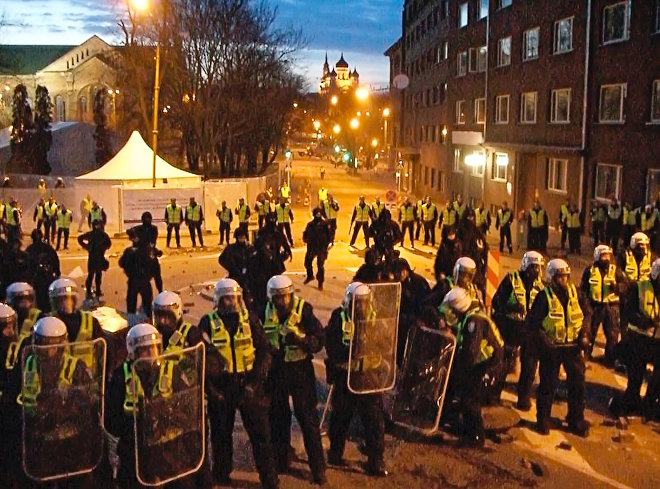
x=456 y=164
x=500 y=56
x=622 y=101
x=477 y=112
x=553 y=105
x=460 y=14
x=655 y=101
x=525 y=44
x=478 y=170
x=617 y=192
x=473 y=60
x=460 y=109
x=482 y=59
x=551 y=171
x=498 y=100
x=494 y=168
x=555 y=44
x=626 y=18
x=656 y=20
x=523 y=120
x=459 y=57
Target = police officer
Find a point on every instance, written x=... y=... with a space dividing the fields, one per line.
x=556 y=316
x=39 y=214
x=173 y=218
x=194 y=219
x=460 y=207
x=243 y=214
x=477 y=362
x=537 y=223
x=635 y=261
x=295 y=334
x=448 y=219
x=64 y=218
x=601 y=285
x=43 y=266
x=574 y=225
x=225 y=217
x=11 y=342
x=418 y=216
x=177 y=334
x=323 y=195
x=429 y=218
x=376 y=208
x=284 y=218
x=407 y=221
x=503 y=223
x=482 y=218
x=21 y=297
x=80 y=325
x=450 y=250
x=50 y=219
x=563 y=217
x=317 y=237
x=598 y=218
x=613 y=224
x=330 y=209
x=236 y=259
x=97 y=213
x=285 y=192
x=641 y=344
x=13 y=221
x=511 y=303
x=344 y=403
x=236 y=376
x=262 y=208
x=138 y=267
x=649 y=223
x=361 y=219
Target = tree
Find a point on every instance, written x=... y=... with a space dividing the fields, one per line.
x=21 y=132
x=42 y=137
x=101 y=133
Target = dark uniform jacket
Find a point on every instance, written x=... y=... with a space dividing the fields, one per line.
x=317 y=236
x=96 y=242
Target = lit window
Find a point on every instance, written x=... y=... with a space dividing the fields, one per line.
x=480 y=110
x=504 y=51
x=560 y=106
x=482 y=59
x=502 y=109
x=460 y=112
x=563 y=36
x=528 y=108
x=611 y=102
x=457 y=161
x=531 y=44
x=499 y=166
x=463 y=15
x=616 y=22
x=556 y=170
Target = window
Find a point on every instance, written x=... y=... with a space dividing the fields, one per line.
x=611 y=102
x=616 y=22
x=462 y=63
x=608 y=181
x=445 y=50
x=445 y=9
x=443 y=135
x=473 y=60
x=655 y=102
x=83 y=105
x=652 y=185
x=60 y=109
x=531 y=44
x=657 y=16
x=460 y=112
x=499 y=166
x=426 y=175
x=483 y=9
x=502 y=109
x=457 y=161
x=482 y=59
x=560 y=106
x=563 y=35
x=432 y=177
x=478 y=170
x=556 y=174
x=463 y=14
x=504 y=51
x=528 y=108
x=504 y=3
x=480 y=110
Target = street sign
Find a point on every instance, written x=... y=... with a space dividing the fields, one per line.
x=390 y=196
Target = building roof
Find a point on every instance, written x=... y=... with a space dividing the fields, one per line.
x=28 y=59
x=342 y=62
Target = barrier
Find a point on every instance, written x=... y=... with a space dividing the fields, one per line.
x=492 y=275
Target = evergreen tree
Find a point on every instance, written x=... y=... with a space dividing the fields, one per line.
x=101 y=134
x=43 y=116
x=21 y=133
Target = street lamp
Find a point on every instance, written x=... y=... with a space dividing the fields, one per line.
x=374 y=143
x=355 y=123
x=317 y=125
x=334 y=99
x=362 y=93
x=336 y=128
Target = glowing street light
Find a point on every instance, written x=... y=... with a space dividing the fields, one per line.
x=374 y=142
x=362 y=93
x=295 y=105
x=336 y=128
x=317 y=125
x=334 y=99
x=386 y=112
x=355 y=123
x=141 y=5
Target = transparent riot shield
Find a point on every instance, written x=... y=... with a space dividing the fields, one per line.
x=169 y=415
x=421 y=392
x=62 y=400
x=372 y=349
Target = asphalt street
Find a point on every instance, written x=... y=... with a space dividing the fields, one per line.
x=610 y=457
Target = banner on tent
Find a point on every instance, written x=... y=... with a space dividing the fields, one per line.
x=137 y=201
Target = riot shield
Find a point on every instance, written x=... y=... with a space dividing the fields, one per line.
x=169 y=415
x=372 y=348
x=421 y=393
x=62 y=401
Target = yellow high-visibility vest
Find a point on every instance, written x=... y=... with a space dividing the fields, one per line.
x=242 y=213
x=573 y=220
x=9 y=215
x=225 y=215
x=407 y=213
x=635 y=273
x=194 y=214
x=428 y=212
x=276 y=331
x=537 y=218
x=563 y=326
x=64 y=219
x=173 y=214
x=481 y=217
x=361 y=213
x=330 y=212
x=40 y=212
x=323 y=194
x=377 y=208
x=283 y=214
x=603 y=289
x=243 y=356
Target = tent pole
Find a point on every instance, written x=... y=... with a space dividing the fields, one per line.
x=154 y=132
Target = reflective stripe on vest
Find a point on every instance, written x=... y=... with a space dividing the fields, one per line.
x=29 y=321
x=377 y=209
x=173 y=214
x=134 y=390
x=563 y=326
x=263 y=208
x=602 y=289
x=330 y=212
x=635 y=273
x=194 y=214
x=486 y=350
x=519 y=295
x=14 y=350
x=614 y=212
x=629 y=217
x=649 y=307
x=537 y=218
x=460 y=209
x=177 y=341
x=428 y=212
x=85 y=333
x=242 y=213
x=242 y=358
x=51 y=209
x=276 y=331
x=31 y=387
x=347 y=328
x=598 y=214
x=361 y=213
x=64 y=219
x=284 y=191
x=407 y=213
x=283 y=214
x=481 y=217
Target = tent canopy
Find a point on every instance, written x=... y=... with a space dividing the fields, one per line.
x=134 y=162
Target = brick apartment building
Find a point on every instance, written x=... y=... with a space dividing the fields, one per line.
x=517 y=99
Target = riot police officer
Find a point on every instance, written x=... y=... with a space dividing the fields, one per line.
x=11 y=341
x=236 y=376
x=177 y=334
x=21 y=297
x=330 y=209
x=43 y=267
x=477 y=362
x=236 y=259
x=317 y=237
x=636 y=259
x=360 y=217
x=243 y=214
x=511 y=303
x=96 y=242
x=557 y=318
x=602 y=282
x=295 y=334
x=344 y=403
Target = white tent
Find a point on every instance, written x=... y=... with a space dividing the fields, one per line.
x=132 y=167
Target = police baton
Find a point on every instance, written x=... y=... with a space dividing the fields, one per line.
x=326 y=408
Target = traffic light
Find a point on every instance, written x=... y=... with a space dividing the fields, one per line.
x=288 y=154
x=346 y=157
x=337 y=148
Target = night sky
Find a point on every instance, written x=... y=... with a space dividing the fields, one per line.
x=362 y=29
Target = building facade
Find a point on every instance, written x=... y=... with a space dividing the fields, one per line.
x=523 y=99
x=72 y=74
x=340 y=78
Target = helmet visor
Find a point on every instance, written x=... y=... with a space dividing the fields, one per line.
x=164 y=317
x=65 y=304
x=8 y=327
